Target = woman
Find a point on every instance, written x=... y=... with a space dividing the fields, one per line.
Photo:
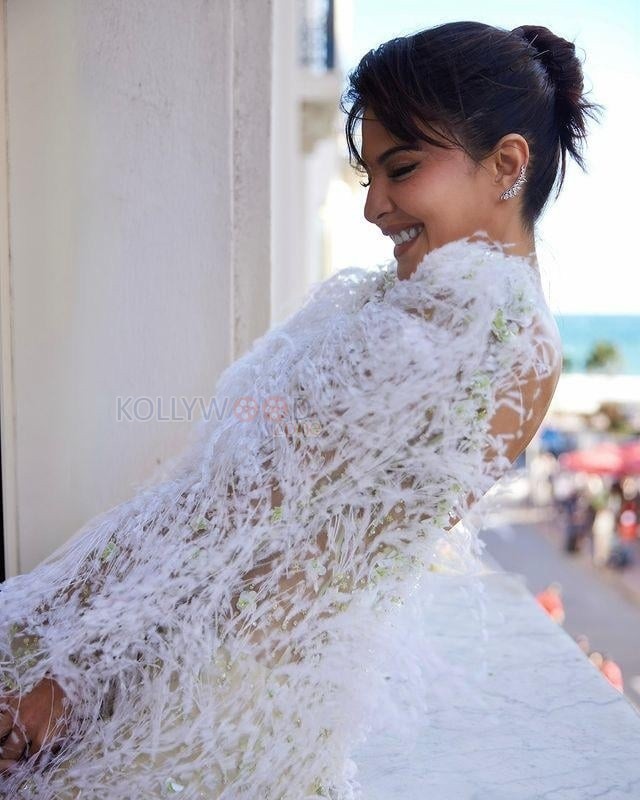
x=226 y=633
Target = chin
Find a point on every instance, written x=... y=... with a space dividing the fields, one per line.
x=406 y=267
x=409 y=263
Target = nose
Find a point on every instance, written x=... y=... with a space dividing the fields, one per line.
x=377 y=203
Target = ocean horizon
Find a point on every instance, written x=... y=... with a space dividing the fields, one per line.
x=580 y=332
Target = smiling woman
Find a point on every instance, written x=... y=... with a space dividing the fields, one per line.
x=228 y=633
x=451 y=119
x=439 y=194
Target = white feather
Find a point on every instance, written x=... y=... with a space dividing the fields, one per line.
x=177 y=692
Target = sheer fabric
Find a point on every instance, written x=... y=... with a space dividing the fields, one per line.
x=226 y=632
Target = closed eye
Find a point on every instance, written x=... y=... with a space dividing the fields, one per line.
x=403 y=171
x=397 y=174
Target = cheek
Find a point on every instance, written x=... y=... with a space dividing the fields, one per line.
x=454 y=199
x=441 y=193
x=420 y=197
x=436 y=189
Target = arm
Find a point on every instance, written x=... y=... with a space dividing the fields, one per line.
x=39 y=716
x=519 y=403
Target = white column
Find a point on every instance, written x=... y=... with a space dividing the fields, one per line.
x=288 y=191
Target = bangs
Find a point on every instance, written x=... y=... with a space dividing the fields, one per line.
x=405 y=105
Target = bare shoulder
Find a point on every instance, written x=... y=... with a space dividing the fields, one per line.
x=536 y=389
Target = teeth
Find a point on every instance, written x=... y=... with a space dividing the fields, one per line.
x=406 y=235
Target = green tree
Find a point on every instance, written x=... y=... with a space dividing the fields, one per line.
x=604 y=357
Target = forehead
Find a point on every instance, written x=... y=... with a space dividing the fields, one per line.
x=377 y=140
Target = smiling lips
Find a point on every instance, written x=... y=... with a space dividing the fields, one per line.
x=405 y=235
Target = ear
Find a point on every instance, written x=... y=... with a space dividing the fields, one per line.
x=507 y=159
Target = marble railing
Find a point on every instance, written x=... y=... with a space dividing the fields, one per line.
x=516 y=710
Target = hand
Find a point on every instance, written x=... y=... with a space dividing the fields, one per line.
x=31 y=722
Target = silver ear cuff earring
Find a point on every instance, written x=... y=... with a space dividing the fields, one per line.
x=513 y=191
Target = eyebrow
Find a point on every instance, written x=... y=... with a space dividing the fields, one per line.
x=392 y=150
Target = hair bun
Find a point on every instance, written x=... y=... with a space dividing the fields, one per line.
x=559 y=59
x=564 y=71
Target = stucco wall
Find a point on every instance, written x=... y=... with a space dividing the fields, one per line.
x=139 y=181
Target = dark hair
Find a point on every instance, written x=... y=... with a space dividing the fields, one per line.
x=478 y=83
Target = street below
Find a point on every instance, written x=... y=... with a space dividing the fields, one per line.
x=597 y=602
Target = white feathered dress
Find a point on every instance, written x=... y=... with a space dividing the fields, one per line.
x=225 y=633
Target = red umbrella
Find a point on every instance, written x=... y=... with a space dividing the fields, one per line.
x=605 y=458
x=631 y=456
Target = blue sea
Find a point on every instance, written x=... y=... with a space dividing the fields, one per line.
x=581 y=331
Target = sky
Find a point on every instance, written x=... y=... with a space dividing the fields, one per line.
x=585 y=240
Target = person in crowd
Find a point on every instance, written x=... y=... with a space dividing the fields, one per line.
x=582 y=640
x=627 y=530
x=541 y=471
x=564 y=490
x=603 y=533
x=551 y=600
x=579 y=522
x=612 y=672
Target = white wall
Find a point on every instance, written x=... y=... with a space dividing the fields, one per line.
x=138 y=228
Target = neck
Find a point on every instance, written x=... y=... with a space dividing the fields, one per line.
x=515 y=243
x=526 y=249
x=519 y=243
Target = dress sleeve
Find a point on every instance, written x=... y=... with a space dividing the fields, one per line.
x=422 y=404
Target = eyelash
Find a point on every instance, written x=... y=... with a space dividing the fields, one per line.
x=397 y=174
